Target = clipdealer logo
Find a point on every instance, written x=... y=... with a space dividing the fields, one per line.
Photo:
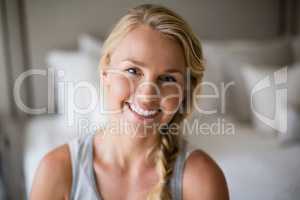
x=278 y=81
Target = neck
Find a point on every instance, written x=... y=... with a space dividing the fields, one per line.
x=123 y=150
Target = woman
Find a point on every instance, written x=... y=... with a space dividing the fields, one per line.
x=146 y=62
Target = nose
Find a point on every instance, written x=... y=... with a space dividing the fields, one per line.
x=148 y=95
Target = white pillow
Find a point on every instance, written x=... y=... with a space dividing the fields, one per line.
x=229 y=56
x=75 y=82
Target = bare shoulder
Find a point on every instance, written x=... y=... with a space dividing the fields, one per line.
x=53 y=177
x=203 y=178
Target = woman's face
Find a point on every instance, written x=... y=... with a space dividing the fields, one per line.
x=145 y=78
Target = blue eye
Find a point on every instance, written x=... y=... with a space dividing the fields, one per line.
x=132 y=70
x=169 y=78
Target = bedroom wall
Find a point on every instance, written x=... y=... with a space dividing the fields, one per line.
x=298 y=17
x=4 y=100
x=56 y=24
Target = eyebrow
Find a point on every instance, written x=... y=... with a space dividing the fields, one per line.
x=172 y=70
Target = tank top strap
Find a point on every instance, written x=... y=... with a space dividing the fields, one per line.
x=177 y=178
x=82 y=171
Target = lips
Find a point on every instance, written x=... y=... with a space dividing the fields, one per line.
x=139 y=115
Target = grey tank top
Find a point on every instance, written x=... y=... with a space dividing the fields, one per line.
x=84 y=180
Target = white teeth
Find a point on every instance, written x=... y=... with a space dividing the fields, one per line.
x=141 y=111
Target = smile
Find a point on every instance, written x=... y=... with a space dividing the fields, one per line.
x=148 y=114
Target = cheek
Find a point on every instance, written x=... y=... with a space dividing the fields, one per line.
x=119 y=88
x=171 y=98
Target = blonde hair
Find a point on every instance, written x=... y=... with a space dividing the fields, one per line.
x=171 y=24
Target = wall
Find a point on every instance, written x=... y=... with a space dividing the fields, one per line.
x=4 y=97
x=12 y=56
x=298 y=17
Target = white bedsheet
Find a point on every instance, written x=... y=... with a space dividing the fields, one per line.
x=256 y=166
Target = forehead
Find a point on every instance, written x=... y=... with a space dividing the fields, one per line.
x=151 y=47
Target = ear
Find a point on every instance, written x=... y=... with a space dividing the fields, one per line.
x=105 y=59
x=104 y=76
